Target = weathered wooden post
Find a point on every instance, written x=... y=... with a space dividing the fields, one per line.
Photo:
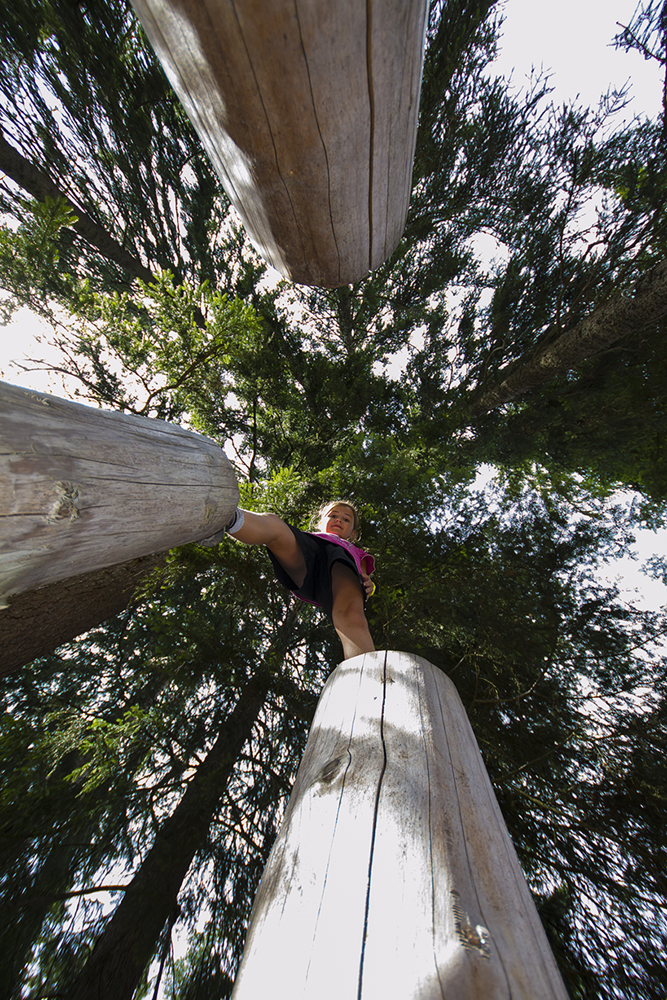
x=82 y=488
x=307 y=110
x=393 y=876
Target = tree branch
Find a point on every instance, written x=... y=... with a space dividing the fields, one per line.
x=40 y=186
x=618 y=317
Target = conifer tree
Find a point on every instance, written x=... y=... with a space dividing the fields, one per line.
x=564 y=683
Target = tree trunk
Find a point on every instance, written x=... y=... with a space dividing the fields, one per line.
x=40 y=186
x=28 y=897
x=81 y=489
x=308 y=113
x=129 y=940
x=393 y=875
x=38 y=621
x=617 y=318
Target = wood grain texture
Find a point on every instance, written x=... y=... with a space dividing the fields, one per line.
x=308 y=113
x=393 y=875
x=82 y=488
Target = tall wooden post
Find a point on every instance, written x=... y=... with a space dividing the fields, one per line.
x=393 y=876
x=82 y=488
x=307 y=110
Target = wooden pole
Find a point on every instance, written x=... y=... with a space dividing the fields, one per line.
x=393 y=876
x=82 y=488
x=307 y=110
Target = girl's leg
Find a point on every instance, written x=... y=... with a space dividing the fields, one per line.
x=348 y=612
x=270 y=530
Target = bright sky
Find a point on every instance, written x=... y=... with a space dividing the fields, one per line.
x=572 y=41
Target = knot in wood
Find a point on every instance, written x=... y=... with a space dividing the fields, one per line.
x=64 y=506
x=472 y=938
x=330 y=770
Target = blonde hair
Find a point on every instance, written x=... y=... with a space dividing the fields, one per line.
x=326 y=507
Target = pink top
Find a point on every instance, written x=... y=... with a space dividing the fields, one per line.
x=360 y=557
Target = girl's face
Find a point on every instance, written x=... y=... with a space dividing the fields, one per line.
x=338 y=520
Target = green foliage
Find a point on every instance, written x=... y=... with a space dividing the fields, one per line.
x=172 y=364
x=85 y=99
x=607 y=424
x=114 y=759
x=361 y=392
x=30 y=258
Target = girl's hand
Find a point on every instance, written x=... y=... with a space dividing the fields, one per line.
x=368 y=584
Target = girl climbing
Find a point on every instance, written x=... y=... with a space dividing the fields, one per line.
x=323 y=567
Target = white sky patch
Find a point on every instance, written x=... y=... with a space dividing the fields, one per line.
x=636 y=587
x=573 y=41
x=395 y=365
x=28 y=336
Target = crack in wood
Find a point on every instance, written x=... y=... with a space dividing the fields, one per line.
x=324 y=149
x=374 y=833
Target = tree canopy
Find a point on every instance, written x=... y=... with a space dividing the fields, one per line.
x=147 y=762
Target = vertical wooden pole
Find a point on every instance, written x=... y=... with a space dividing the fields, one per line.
x=393 y=876
x=82 y=488
x=308 y=113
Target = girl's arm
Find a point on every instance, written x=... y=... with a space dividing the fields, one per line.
x=369 y=586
